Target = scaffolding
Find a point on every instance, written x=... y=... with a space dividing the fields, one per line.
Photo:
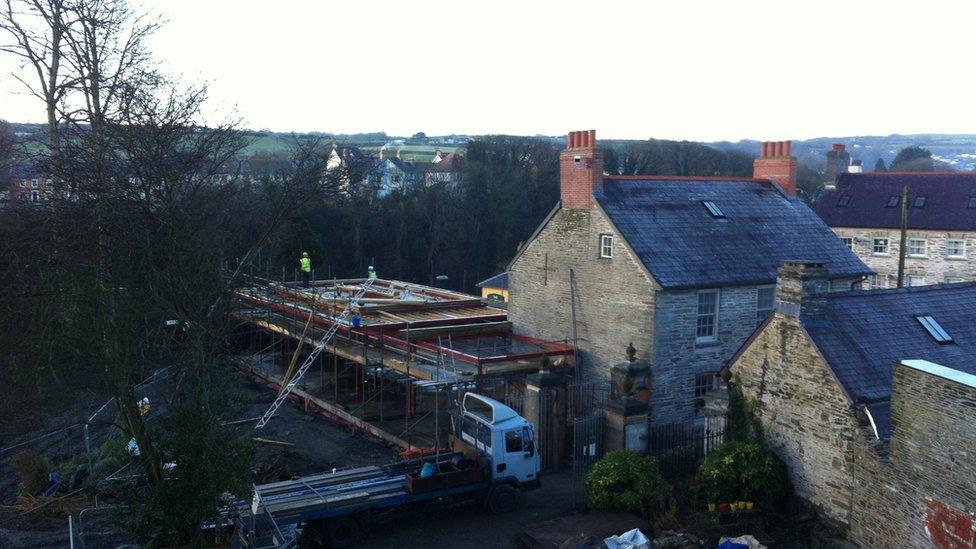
x=386 y=362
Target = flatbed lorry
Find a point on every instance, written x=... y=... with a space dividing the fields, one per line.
x=492 y=459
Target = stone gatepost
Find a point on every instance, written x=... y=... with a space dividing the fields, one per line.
x=626 y=413
x=544 y=406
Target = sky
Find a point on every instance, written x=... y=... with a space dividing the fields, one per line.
x=683 y=69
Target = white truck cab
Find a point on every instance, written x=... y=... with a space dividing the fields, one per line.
x=503 y=438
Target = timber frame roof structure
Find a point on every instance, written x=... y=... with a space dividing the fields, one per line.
x=424 y=332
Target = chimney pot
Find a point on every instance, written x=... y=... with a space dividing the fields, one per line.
x=789 y=148
x=838 y=147
x=592 y=138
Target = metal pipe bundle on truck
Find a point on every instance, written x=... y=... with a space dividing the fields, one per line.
x=493 y=459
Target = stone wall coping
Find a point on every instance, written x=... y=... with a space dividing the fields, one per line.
x=944 y=372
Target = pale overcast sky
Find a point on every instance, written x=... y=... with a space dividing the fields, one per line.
x=680 y=69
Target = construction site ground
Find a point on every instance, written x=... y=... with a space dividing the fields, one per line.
x=320 y=444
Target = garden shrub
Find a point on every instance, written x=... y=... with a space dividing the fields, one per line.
x=626 y=481
x=33 y=469
x=742 y=471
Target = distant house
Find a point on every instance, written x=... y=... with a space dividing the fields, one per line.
x=393 y=173
x=868 y=396
x=344 y=155
x=495 y=289
x=28 y=184
x=865 y=211
x=682 y=267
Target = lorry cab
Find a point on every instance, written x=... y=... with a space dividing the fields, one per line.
x=504 y=440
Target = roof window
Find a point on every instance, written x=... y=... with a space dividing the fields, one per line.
x=843 y=201
x=972 y=202
x=934 y=329
x=919 y=201
x=892 y=201
x=713 y=209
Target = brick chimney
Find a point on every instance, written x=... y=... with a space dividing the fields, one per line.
x=838 y=159
x=801 y=288
x=775 y=163
x=580 y=170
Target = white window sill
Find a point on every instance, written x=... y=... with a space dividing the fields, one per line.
x=956 y=257
x=709 y=342
x=876 y=254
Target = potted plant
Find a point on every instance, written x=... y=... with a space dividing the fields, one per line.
x=749 y=505
x=723 y=507
x=711 y=507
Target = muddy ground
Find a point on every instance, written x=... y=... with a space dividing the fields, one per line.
x=319 y=445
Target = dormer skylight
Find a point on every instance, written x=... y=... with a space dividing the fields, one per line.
x=892 y=201
x=713 y=209
x=919 y=201
x=843 y=201
x=934 y=329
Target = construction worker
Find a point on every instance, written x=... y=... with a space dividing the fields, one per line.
x=306 y=267
x=371 y=273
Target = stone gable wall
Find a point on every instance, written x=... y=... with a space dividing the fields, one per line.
x=615 y=297
x=805 y=414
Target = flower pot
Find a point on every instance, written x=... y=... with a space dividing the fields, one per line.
x=711 y=507
x=749 y=505
x=723 y=507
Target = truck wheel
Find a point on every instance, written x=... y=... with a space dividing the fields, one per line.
x=503 y=499
x=341 y=532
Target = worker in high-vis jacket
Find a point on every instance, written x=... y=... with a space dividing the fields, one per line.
x=306 y=268
x=371 y=273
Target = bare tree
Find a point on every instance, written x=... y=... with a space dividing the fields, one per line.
x=37 y=32
x=107 y=41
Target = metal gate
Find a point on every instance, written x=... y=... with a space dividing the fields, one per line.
x=587 y=443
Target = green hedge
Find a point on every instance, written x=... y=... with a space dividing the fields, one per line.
x=742 y=471
x=626 y=481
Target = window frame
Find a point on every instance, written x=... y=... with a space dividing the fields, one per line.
x=893 y=201
x=712 y=336
x=919 y=201
x=848 y=241
x=925 y=247
x=875 y=278
x=972 y=202
x=844 y=201
x=874 y=245
x=703 y=383
x=909 y=278
x=963 y=248
x=606 y=251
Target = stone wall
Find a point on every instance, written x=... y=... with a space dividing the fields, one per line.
x=923 y=492
x=677 y=358
x=615 y=297
x=936 y=267
x=805 y=414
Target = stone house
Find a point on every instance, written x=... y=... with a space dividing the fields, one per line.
x=864 y=209
x=682 y=267
x=868 y=396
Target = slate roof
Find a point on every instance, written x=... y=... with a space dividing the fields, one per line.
x=947 y=197
x=863 y=333
x=498 y=281
x=667 y=225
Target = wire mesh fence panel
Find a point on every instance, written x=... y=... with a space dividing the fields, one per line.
x=680 y=447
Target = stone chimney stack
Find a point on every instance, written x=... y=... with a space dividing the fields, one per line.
x=775 y=162
x=801 y=288
x=838 y=160
x=580 y=170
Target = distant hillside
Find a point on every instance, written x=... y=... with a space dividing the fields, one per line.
x=959 y=151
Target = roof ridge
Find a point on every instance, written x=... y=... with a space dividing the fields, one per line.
x=905 y=289
x=879 y=174
x=686 y=178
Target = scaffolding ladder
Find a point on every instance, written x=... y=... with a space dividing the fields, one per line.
x=336 y=323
